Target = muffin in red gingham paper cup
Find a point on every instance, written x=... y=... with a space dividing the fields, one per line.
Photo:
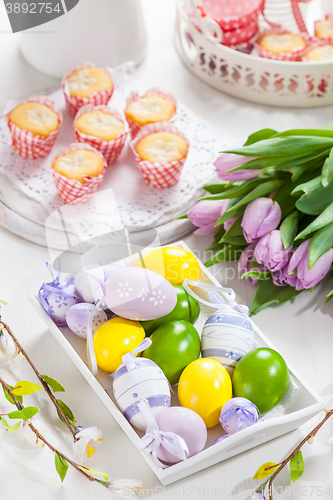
x=87 y=84
x=106 y=127
x=34 y=125
x=282 y=45
x=323 y=28
x=78 y=157
x=165 y=141
x=232 y=15
x=155 y=105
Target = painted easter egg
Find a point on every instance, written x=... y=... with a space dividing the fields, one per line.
x=113 y=339
x=186 y=424
x=88 y=286
x=59 y=302
x=174 y=263
x=226 y=337
x=139 y=294
x=145 y=380
x=261 y=376
x=237 y=414
x=174 y=346
x=204 y=387
x=78 y=316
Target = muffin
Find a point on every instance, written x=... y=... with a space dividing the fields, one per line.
x=156 y=105
x=87 y=84
x=35 y=117
x=320 y=53
x=34 y=126
x=79 y=163
x=282 y=45
x=160 y=150
x=324 y=28
x=161 y=147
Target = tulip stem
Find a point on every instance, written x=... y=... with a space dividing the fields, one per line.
x=311 y=434
x=38 y=375
x=41 y=438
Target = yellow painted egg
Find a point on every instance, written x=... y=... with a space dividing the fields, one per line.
x=204 y=387
x=115 y=338
x=174 y=263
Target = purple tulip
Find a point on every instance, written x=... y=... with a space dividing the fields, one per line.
x=270 y=252
x=205 y=214
x=228 y=223
x=260 y=217
x=245 y=261
x=300 y=261
x=283 y=278
x=227 y=161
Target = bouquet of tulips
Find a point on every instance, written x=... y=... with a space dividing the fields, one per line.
x=272 y=210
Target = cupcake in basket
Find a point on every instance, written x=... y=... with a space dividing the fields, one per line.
x=34 y=125
x=103 y=128
x=324 y=28
x=282 y=45
x=319 y=51
x=86 y=84
x=78 y=170
x=156 y=105
x=160 y=150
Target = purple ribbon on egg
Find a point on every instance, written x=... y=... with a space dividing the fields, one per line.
x=154 y=438
x=129 y=358
x=57 y=287
x=243 y=415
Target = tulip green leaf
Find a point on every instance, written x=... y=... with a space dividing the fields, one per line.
x=328 y=297
x=236 y=228
x=237 y=191
x=308 y=187
x=316 y=197
x=229 y=214
x=268 y=294
x=262 y=134
x=285 y=146
x=24 y=388
x=218 y=187
x=326 y=217
x=258 y=275
x=321 y=242
x=228 y=253
x=183 y=216
x=25 y=413
x=61 y=466
x=66 y=411
x=54 y=384
x=288 y=228
x=262 y=190
x=326 y=132
x=327 y=171
x=234 y=240
x=296 y=466
x=18 y=398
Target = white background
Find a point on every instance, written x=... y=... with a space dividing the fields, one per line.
x=301 y=331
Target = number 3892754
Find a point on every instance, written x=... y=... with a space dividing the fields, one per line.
x=33 y=8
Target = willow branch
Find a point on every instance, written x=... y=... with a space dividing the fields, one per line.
x=38 y=375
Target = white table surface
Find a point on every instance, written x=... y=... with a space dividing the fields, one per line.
x=301 y=331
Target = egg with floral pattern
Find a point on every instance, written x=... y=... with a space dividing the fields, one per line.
x=226 y=337
x=59 y=302
x=78 y=316
x=139 y=294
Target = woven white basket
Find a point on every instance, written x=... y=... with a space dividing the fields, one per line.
x=264 y=81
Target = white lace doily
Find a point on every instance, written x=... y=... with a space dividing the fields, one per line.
x=28 y=188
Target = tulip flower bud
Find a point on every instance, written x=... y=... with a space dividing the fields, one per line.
x=227 y=161
x=270 y=252
x=300 y=261
x=260 y=217
x=205 y=214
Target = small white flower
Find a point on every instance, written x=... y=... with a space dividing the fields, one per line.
x=30 y=435
x=125 y=487
x=143 y=294
x=8 y=346
x=84 y=436
x=124 y=289
x=218 y=317
x=230 y=354
x=157 y=297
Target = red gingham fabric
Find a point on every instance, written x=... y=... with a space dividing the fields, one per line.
x=24 y=142
x=73 y=104
x=159 y=174
x=134 y=96
x=109 y=149
x=71 y=190
x=298 y=15
x=294 y=55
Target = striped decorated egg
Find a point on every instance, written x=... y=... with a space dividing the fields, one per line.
x=145 y=380
x=226 y=337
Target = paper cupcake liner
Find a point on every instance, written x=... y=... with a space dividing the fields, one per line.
x=24 y=142
x=247 y=44
x=134 y=96
x=159 y=174
x=74 y=103
x=316 y=42
x=226 y=22
x=240 y=35
x=327 y=39
x=71 y=190
x=109 y=149
x=294 y=55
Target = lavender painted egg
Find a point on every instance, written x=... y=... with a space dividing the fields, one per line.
x=144 y=381
x=139 y=294
x=186 y=424
x=226 y=337
x=237 y=414
x=60 y=302
x=77 y=318
x=88 y=286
